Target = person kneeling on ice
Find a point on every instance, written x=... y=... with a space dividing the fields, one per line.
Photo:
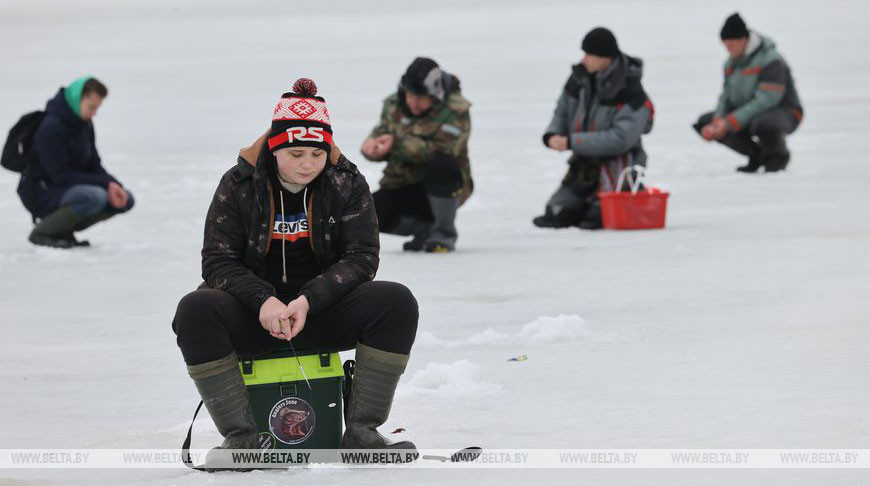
x=759 y=103
x=600 y=116
x=67 y=189
x=291 y=243
x=423 y=137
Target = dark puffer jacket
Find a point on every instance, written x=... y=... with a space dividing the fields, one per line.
x=342 y=222
x=66 y=155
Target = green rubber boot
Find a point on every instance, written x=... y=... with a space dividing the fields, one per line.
x=375 y=378
x=224 y=394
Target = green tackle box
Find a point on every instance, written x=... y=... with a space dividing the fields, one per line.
x=288 y=414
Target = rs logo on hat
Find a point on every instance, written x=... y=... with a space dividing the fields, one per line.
x=305 y=134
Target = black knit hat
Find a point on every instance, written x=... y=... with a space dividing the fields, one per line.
x=734 y=28
x=600 y=42
x=301 y=119
x=423 y=77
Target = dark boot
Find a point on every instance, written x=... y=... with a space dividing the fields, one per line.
x=774 y=153
x=442 y=234
x=55 y=230
x=742 y=143
x=375 y=378
x=421 y=230
x=92 y=220
x=565 y=218
x=592 y=218
x=224 y=394
x=778 y=162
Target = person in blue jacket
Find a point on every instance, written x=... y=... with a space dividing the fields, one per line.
x=67 y=188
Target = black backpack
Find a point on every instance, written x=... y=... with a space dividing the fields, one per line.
x=17 y=152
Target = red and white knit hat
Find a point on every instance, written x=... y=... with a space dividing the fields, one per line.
x=301 y=119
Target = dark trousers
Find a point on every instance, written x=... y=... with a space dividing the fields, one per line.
x=211 y=324
x=409 y=202
x=400 y=211
x=769 y=127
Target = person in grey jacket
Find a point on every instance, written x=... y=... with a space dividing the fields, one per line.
x=759 y=104
x=600 y=116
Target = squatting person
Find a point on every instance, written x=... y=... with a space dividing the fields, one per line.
x=759 y=104
x=423 y=137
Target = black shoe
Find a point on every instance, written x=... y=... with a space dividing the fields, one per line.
x=413 y=245
x=77 y=242
x=752 y=166
x=590 y=224
x=592 y=219
x=777 y=163
x=566 y=218
x=52 y=241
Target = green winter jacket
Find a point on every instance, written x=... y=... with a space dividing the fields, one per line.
x=443 y=129
x=757 y=82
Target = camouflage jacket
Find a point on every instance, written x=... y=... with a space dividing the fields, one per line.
x=342 y=223
x=445 y=128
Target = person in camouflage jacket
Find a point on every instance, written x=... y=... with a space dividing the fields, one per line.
x=289 y=252
x=599 y=118
x=759 y=100
x=423 y=137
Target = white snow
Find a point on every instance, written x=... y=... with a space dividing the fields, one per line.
x=744 y=324
x=448 y=382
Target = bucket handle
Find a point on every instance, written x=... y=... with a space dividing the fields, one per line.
x=633 y=183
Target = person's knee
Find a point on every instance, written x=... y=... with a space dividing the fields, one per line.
x=443 y=176
x=401 y=303
x=194 y=312
x=86 y=200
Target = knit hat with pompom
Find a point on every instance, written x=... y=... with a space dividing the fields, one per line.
x=301 y=119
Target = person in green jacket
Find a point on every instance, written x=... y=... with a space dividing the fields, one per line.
x=759 y=104
x=423 y=137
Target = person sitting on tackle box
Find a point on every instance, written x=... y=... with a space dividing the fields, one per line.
x=289 y=253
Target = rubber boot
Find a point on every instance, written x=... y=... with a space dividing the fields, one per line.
x=774 y=153
x=442 y=235
x=566 y=218
x=592 y=220
x=92 y=220
x=55 y=230
x=421 y=230
x=224 y=394
x=376 y=375
x=742 y=143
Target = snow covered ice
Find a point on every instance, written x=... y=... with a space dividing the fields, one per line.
x=744 y=324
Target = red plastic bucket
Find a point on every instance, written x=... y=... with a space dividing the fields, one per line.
x=637 y=209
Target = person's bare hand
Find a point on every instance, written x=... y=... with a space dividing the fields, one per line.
x=383 y=144
x=719 y=128
x=558 y=142
x=270 y=315
x=295 y=314
x=118 y=197
x=368 y=147
x=707 y=132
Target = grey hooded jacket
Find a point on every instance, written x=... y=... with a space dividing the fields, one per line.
x=604 y=115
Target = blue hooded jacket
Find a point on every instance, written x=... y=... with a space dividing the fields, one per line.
x=66 y=155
